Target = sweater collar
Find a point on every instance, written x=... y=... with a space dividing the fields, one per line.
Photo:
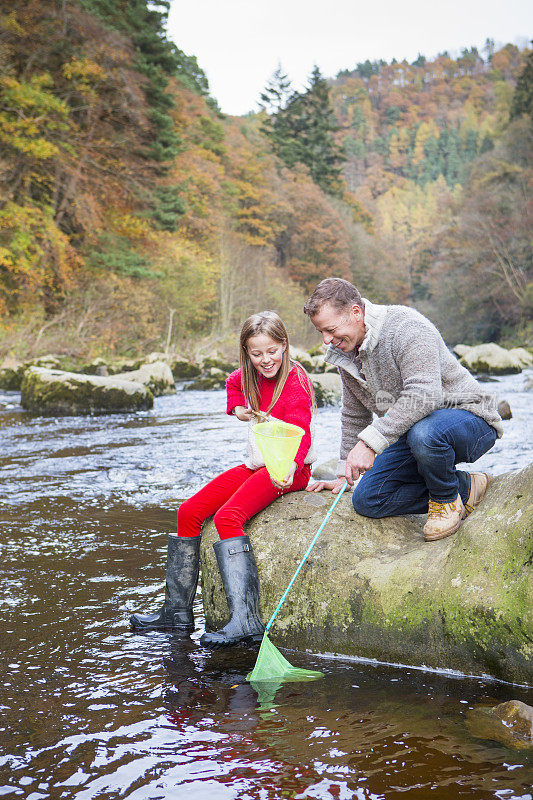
x=374 y=319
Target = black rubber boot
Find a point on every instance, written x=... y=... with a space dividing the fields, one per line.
x=238 y=571
x=183 y=564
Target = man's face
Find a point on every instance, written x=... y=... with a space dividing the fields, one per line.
x=344 y=329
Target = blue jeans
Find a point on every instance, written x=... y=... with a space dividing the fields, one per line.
x=421 y=464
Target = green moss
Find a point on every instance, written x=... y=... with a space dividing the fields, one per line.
x=185 y=370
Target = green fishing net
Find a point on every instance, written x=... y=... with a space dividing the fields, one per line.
x=272 y=665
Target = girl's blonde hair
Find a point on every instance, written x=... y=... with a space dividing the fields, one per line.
x=270 y=324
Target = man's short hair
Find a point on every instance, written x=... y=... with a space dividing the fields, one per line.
x=337 y=292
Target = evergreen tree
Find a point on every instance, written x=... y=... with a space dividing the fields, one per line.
x=321 y=153
x=452 y=158
x=276 y=93
x=302 y=129
x=523 y=93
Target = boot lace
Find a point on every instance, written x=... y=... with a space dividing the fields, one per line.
x=437 y=509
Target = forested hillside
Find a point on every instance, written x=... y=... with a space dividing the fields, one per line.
x=128 y=200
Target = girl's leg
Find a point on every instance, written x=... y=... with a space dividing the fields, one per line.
x=254 y=494
x=193 y=512
x=236 y=560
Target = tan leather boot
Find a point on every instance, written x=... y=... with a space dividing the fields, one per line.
x=479 y=483
x=443 y=519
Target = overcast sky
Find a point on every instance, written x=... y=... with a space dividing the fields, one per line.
x=238 y=43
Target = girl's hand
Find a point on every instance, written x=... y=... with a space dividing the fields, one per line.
x=243 y=413
x=335 y=486
x=288 y=479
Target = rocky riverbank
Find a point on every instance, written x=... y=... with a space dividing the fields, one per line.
x=158 y=372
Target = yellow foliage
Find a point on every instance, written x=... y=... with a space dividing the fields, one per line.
x=9 y=24
x=128 y=224
x=34 y=253
x=31 y=115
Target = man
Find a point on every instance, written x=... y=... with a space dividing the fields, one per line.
x=431 y=413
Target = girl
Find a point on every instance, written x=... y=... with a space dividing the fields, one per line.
x=266 y=383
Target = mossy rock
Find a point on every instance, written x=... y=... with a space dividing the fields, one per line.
x=303 y=358
x=328 y=389
x=184 y=370
x=11 y=377
x=492 y=359
x=12 y=372
x=216 y=362
x=375 y=588
x=318 y=350
x=210 y=380
x=123 y=365
x=95 y=367
x=461 y=350
x=157 y=376
x=51 y=392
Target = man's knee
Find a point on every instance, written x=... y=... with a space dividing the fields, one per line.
x=364 y=503
x=421 y=438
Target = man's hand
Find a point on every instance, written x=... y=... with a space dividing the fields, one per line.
x=360 y=459
x=288 y=479
x=335 y=486
x=243 y=413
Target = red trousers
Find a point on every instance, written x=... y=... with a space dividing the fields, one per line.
x=234 y=497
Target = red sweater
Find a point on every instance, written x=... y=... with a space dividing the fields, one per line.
x=294 y=404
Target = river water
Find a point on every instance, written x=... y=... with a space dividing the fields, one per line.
x=92 y=710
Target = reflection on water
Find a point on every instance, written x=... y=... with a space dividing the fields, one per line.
x=90 y=709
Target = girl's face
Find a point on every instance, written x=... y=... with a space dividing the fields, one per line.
x=265 y=354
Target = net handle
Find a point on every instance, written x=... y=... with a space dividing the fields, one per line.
x=306 y=556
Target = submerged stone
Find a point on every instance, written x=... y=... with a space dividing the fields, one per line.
x=509 y=723
x=375 y=588
x=504 y=409
x=51 y=392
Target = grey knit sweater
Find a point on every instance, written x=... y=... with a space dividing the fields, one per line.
x=402 y=372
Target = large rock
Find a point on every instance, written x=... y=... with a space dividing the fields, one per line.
x=491 y=358
x=51 y=392
x=157 y=377
x=374 y=588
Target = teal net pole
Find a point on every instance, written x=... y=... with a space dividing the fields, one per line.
x=304 y=559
